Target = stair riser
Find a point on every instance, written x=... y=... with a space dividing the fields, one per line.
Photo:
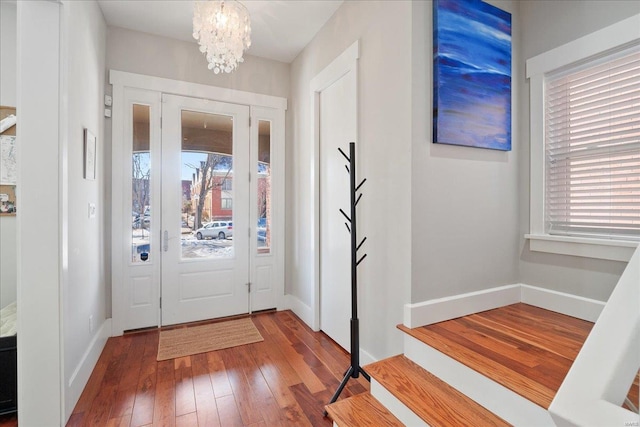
x=395 y=406
x=498 y=399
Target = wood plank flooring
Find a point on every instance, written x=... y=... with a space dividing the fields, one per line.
x=527 y=349
x=285 y=380
x=634 y=393
x=9 y=420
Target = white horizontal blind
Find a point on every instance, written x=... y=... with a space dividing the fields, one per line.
x=592 y=148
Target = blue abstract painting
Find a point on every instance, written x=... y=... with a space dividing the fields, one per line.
x=472 y=74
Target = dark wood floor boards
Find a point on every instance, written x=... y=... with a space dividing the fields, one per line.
x=283 y=381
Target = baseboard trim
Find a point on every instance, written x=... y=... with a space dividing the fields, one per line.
x=560 y=302
x=366 y=358
x=441 y=309
x=81 y=374
x=305 y=313
x=302 y=310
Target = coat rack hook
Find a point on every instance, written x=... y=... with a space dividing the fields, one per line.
x=361 y=243
x=345 y=215
x=345 y=156
x=361 y=259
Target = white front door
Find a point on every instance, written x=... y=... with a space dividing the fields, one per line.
x=198 y=204
x=205 y=274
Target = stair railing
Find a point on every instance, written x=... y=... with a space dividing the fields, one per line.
x=593 y=391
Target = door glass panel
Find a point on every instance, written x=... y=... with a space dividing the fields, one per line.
x=264 y=187
x=140 y=186
x=207 y=185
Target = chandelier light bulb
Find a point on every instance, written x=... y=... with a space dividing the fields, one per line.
x=223 y=31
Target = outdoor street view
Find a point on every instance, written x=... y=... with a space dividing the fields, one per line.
x=206 y=185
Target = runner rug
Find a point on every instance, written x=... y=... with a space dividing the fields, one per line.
x=201 y=339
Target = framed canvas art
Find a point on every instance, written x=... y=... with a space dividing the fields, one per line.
x=472 y=74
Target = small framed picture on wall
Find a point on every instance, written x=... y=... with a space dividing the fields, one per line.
x=89 y=155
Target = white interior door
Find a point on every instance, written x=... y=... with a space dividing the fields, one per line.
x=205 y=143
x=338 y=127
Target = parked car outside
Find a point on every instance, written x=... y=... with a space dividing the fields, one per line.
x=215 y=229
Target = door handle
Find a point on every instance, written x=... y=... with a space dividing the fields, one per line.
x=165 y=242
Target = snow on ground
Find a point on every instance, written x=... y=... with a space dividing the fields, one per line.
x=193 y=248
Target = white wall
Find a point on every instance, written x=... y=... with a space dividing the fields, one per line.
x=384 y=158
x=152 y=55
x=8 y=46
x=546 y=25
x=84 y=285
x=8 y=84
x=464 y=200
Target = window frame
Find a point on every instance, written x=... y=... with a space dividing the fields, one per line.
x=616 y=36
x=226 y=203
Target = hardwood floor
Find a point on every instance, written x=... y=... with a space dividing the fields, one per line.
x=285 y=380
x=9 y=420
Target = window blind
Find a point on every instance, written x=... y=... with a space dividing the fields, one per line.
x=592 y=148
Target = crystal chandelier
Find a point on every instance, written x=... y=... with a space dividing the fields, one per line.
x=223 y=31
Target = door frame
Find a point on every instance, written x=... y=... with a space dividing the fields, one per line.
x=344 y=63
x=123 y=80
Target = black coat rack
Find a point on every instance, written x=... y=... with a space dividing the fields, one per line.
x=354 y=369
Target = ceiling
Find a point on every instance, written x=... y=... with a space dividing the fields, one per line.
x=280 y=29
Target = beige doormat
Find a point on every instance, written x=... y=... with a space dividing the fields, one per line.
x=201 y=339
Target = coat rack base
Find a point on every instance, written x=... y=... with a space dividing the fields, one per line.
x=354 y=369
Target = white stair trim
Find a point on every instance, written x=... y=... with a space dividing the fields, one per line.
x=498 y=399
x=600 y=377
x=395 y=406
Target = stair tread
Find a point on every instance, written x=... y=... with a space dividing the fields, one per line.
x=527 y=349
x=361 y=410
x=433 y=400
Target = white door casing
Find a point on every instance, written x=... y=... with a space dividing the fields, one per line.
x=265 y=271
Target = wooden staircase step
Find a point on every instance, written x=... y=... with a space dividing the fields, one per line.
x=433 y=400
x=526 y=349
x=361 y=410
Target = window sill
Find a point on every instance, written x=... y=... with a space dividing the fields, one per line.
x=614 y=250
